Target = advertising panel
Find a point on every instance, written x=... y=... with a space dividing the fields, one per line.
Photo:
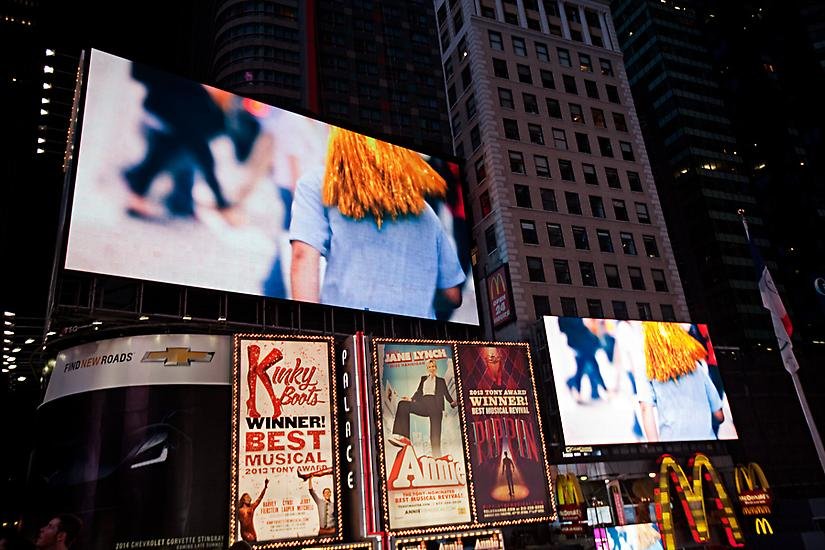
x=133 y=439
x=642 y=536
x=285 y=486
x=620 y=381
x=182 y=183
x=500 y=297
x=424 y=469
x=510 y=474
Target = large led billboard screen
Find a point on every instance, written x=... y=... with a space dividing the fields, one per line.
x=182 y=183
x=621 y=381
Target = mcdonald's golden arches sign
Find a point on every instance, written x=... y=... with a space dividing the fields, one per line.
x=499 y=296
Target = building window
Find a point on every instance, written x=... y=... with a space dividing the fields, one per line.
x=475 y=137
x=585 y=63
x=637 y=282
x=619 y=122
x=564 y=57
x=559 y=139
x=641 y=213
x=456 y=122
x=612 y=93
x=524 y=74
x=451 y=95
x=619 y=310
x=562 y=269
x=496 y=43
x=500 y=68
x=484 y=202
x=605 y=147
x=523 y=196
x=505 y=98
x=548 y=200
x=651 y=249
x=511 y=128
x=448 y=69
x=627 y=151
x=634 y=181
x=536 y=134
x=589 y=171
x=566 y=170
x=531 y=104
x=569 y=84
x=541 y=305
x=591 y=89
x=573 y=204
x=528 y=232
x=659 y=281
x=598 y=118
x=519 y=47
x=644 y=311
x=606 y=67
x=580 y=240
x=517 y=162
x=667 y=313
x=628 y=243
x=568 y=307
x=555 y=235
x=481 y=169
x=553 y=108
x=583 y=143
x=490 y=239
x=470 y=106
x=612 y=176
x=605 y=241
x=542 y=166
x=547 y=80
x=611 y=274
x=541 y=52
x=594 y=308
x=597 y=207
x=620 y=210
x=588 y=273
x=576 y=113
x=466 y=77
x=535 y=269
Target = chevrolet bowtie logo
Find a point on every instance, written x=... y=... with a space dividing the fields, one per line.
x=178 y=357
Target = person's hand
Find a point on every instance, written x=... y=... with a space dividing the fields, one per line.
x=453 y=404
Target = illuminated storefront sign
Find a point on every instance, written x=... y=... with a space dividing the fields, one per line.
x=754 y=495
x=691 y=495
x=571 y=504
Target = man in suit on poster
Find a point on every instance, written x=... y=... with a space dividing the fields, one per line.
x=428 y=401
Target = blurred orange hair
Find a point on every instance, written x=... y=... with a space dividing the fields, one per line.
x=670 y=352
x=368 y=176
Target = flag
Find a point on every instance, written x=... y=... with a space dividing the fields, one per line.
x=773 y=303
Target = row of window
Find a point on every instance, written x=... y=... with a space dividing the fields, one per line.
x=531 y=105
x=585 y=62
x=535 y=133
x=587 y=273
x=569 y=308
x=567 y=173
x=524 y=74
x=573 y=204
x=581 y=239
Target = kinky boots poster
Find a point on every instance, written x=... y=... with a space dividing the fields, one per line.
x=285 y=486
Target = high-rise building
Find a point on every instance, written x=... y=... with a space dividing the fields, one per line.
x=559 y=182
x=365 y=64
x=730 y=103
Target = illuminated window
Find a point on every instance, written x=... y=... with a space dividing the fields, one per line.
x=585 y=63
x=606 y=67
x=576 y=113
x=651 y=249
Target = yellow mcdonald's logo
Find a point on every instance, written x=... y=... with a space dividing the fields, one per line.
x=691 y=495
x=497 y=284
x=750 y=478
x=763 y=527
x=568 y=490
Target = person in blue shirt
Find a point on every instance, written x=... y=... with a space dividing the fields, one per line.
x=366 y=214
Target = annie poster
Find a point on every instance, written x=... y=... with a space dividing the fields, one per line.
x=425 y=473
x=510 y=476
x=285 y=472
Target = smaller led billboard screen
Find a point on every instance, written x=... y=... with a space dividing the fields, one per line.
x=623 y=381
x=182 y=183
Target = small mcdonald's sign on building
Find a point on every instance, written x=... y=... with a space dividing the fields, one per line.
x=754 y=496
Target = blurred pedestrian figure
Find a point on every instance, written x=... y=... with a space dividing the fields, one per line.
x=585 y=344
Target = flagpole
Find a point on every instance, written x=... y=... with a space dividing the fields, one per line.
x=797 y=384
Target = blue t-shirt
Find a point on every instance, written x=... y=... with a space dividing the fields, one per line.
x=685 y=406
x=396 y=269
